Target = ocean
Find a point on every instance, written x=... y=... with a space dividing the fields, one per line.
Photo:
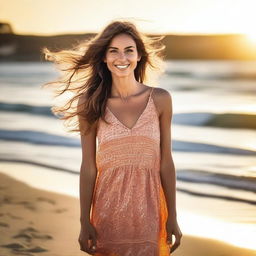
x=213 y=127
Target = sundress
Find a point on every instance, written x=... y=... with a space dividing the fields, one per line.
x=129 y=210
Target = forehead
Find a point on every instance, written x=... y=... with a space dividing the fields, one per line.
x=122 y=40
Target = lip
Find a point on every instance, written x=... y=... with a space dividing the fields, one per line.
x=122 y=64
x=122 y=69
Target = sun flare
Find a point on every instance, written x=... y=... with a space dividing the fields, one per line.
x=251 y=36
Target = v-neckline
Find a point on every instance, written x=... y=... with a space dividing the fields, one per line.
x=144 y=110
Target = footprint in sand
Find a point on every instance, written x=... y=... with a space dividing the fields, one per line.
x=14 y=246
x=21 y=248
x=60 y=210
x=10 y=200
x=36 y=249
x=30 y=233
x=14 y=216
x=3 y=224
x=44 y=199
x=27 y=204
x=30 y=229
x=7 y=199
x=22 y=253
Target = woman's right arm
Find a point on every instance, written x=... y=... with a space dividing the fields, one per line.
x=88 y=171
x=88 y=174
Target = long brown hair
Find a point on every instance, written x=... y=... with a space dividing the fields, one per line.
x=86 y=79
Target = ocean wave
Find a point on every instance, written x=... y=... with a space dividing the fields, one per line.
x=37 y=137
x=223 y=197
x=43 y=138
x=16 y=107
x=231 y=181
x=224 y=120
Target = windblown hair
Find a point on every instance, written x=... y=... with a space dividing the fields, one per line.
x=85 y=77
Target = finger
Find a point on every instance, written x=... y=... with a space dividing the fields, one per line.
x=93 y=241
x=89 y=251
x=81 y=244
x=175 y=246
x=92 y=245
x=169 y=238
x=82 y=248
x=84 y=245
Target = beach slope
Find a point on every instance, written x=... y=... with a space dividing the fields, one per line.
x=38 y=222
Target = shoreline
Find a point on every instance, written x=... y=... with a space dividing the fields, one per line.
x=25 y=212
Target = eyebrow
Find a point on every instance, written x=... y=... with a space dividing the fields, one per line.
x=124 y=48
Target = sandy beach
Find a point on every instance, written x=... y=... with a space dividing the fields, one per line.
x=38 y=222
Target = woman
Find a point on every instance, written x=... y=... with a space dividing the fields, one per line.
x=127 y=176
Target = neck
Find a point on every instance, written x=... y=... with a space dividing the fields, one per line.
x=124 y=88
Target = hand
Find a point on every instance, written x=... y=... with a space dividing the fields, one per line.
x=172 y=228
x=87 y=238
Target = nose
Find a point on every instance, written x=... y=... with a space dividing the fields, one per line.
x=122 y=56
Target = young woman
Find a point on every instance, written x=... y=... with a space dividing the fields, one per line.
x=127 y=175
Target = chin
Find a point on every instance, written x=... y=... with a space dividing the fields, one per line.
x=122 y=75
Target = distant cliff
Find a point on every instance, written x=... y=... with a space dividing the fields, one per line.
x=15 y=47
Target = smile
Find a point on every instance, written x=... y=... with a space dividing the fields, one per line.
x=122 y=66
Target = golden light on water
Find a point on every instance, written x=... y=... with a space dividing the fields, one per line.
x=241 y=235
x=251 y=37
x=248 y=108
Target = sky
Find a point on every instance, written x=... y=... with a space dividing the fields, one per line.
x=49 y=17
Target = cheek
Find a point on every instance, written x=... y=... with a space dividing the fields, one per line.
x=110 y=59
x=133 y=58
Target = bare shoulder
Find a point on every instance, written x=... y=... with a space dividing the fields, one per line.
x=162 y=99
x=88 y=139
x=83 y=125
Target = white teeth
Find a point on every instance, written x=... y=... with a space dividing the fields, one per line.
x=122 y=67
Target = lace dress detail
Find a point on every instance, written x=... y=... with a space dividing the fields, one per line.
x=129 y=209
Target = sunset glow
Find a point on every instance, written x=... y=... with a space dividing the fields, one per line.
x=251 y=36
x=163 y=16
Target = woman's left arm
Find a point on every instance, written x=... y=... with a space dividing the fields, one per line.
x=167 y=169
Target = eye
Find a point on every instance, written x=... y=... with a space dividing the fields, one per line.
x=129 y=50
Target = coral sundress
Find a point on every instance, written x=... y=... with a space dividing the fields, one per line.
x=129 y=210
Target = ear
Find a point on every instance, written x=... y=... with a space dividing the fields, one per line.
x=139 y=58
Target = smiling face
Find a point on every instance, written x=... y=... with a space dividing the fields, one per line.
x=121 y=56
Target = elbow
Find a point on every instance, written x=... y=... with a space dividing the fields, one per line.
x=167 y=168
x=88 y=171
